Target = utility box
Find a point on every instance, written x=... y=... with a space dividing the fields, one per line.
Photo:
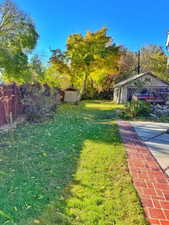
x=72 y=95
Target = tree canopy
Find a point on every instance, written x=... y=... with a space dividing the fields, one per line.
x=152 y=59
x=18 y=36
x=87 y=59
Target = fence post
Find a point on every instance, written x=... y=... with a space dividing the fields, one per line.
x=9 y=103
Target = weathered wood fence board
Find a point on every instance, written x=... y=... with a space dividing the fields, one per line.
x=10 y=106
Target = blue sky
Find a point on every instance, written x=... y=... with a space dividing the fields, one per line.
x=132 y=23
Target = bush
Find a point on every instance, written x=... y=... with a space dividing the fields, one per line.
x=40 y=102
x=161 y=110
x=105 y=95
x=94 y=94
x=136 y=108
x=164 y=119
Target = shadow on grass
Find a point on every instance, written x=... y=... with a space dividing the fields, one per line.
x=39 y=167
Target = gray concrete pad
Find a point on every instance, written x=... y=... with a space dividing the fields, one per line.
x=159 y=145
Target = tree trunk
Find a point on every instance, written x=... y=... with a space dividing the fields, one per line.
x=84 y=85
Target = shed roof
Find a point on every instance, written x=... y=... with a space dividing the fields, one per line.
x=122 y=83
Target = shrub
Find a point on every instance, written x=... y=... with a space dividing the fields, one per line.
x=40 y=102
x=164 y=119
x=136 y=108
x=103 y=95
x=161 y=110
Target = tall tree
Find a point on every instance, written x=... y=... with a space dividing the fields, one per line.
x=18 y=37
x=154 y=59
x=87 y=58
x=37 y=69
x=127 y=65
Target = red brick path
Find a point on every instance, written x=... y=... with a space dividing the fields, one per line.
x=150 y=181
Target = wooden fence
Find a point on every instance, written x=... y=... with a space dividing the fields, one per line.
x=10 y=106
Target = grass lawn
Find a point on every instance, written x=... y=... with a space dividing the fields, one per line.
x=68 y=171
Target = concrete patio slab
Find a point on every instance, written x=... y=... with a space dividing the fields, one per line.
x=158 y=145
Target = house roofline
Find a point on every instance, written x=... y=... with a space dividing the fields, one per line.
x=122 y=83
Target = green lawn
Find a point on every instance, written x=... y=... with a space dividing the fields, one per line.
x=68 y=171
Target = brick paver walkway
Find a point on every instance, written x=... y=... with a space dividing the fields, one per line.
x=150 y=181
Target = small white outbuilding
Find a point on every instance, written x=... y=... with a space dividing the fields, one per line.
x=72 y=95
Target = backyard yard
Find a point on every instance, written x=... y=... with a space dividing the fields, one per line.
x=71 y=170
x=69 y=161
